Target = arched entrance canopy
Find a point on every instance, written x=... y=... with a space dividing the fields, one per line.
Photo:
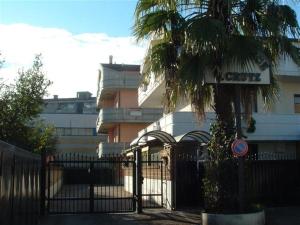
x=162 y=136
x=196 y=135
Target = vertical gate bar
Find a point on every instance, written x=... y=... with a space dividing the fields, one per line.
x=139 y=180
x=156 y=168
x=101 y=184
x=112 y=182
x=77 y=185
x=134 y=182
x=48 y=187
x=91 y=187
x=73 y=189
x=68 y=189
x=161 y=187
x=82 y=203
x=97 y=183
x=43 y=183
x=119 y=182
x=59 y=203
x=12 y=189
x=108 y=186
x=104 y=183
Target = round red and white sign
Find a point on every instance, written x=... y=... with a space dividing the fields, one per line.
x=239 y=147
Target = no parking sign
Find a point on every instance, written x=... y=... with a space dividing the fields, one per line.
x=239 y=147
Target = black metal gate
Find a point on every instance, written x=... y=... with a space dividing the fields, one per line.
x=81 y=184
x=189 y=187
x=152 y=185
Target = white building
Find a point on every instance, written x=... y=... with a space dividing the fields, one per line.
x=120 y=117
x=74 y=120
x=277 y=130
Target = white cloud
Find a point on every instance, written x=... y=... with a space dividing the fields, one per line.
x=71 y=61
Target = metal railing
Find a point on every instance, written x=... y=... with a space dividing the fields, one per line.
x=118 y=80
x=19 y=186
x=138 y=115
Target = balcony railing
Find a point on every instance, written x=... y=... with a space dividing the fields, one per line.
x=111 y=148
x=132 y=115
x=118 y=80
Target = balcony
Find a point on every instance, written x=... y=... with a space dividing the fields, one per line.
x=110 y=116
x=287 y=69
x=111 y=148
x=150 y=95
x=269 y=126
x=111 y=81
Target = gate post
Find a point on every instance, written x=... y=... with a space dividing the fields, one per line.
x=139 y=179
x=134 y=181
x=43 y=183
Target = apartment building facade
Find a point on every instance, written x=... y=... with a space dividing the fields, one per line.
x=277 y=130
x=120 y=117
x=74 y=120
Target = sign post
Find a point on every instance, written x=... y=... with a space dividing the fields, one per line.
x=241 y=160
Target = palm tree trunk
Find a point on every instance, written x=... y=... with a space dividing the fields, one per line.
x=223 y=107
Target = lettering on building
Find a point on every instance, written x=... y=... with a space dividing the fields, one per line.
x=242 y=77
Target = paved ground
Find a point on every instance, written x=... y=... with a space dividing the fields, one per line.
x=149 y=217
x=283 y=216
x=275 y=216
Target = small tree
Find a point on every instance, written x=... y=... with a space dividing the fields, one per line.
x=20 y=105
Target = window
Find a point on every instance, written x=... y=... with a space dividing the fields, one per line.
x=89 y=107
x=252 y=104
x=297 y=103
x=62 y=131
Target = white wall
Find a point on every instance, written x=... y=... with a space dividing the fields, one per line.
x=71 y=120
x=153 y=186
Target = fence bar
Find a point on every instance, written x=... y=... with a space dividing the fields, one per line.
x=139 y=180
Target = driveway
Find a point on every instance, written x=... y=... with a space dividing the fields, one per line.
x=274 y=216
x=149 y=217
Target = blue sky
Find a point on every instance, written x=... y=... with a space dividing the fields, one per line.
x=113 y=17
x=73 y=36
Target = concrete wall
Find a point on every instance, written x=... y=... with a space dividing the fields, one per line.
x=80 y=144
x=285 y=103
x=108 y=103
x=128 y=99
x=129 y=131
x=125 y=132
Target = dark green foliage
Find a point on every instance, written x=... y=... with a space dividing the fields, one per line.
x=221 y=186
x=220 y=177
x=20 y=104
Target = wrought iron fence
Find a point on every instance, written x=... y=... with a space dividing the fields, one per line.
x=78 y=183
x=271 y=179
x=19 y=186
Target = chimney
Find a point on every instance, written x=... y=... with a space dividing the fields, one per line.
x=110 y=59
x=55 y=96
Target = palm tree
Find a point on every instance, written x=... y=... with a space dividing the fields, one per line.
x=198 y=37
